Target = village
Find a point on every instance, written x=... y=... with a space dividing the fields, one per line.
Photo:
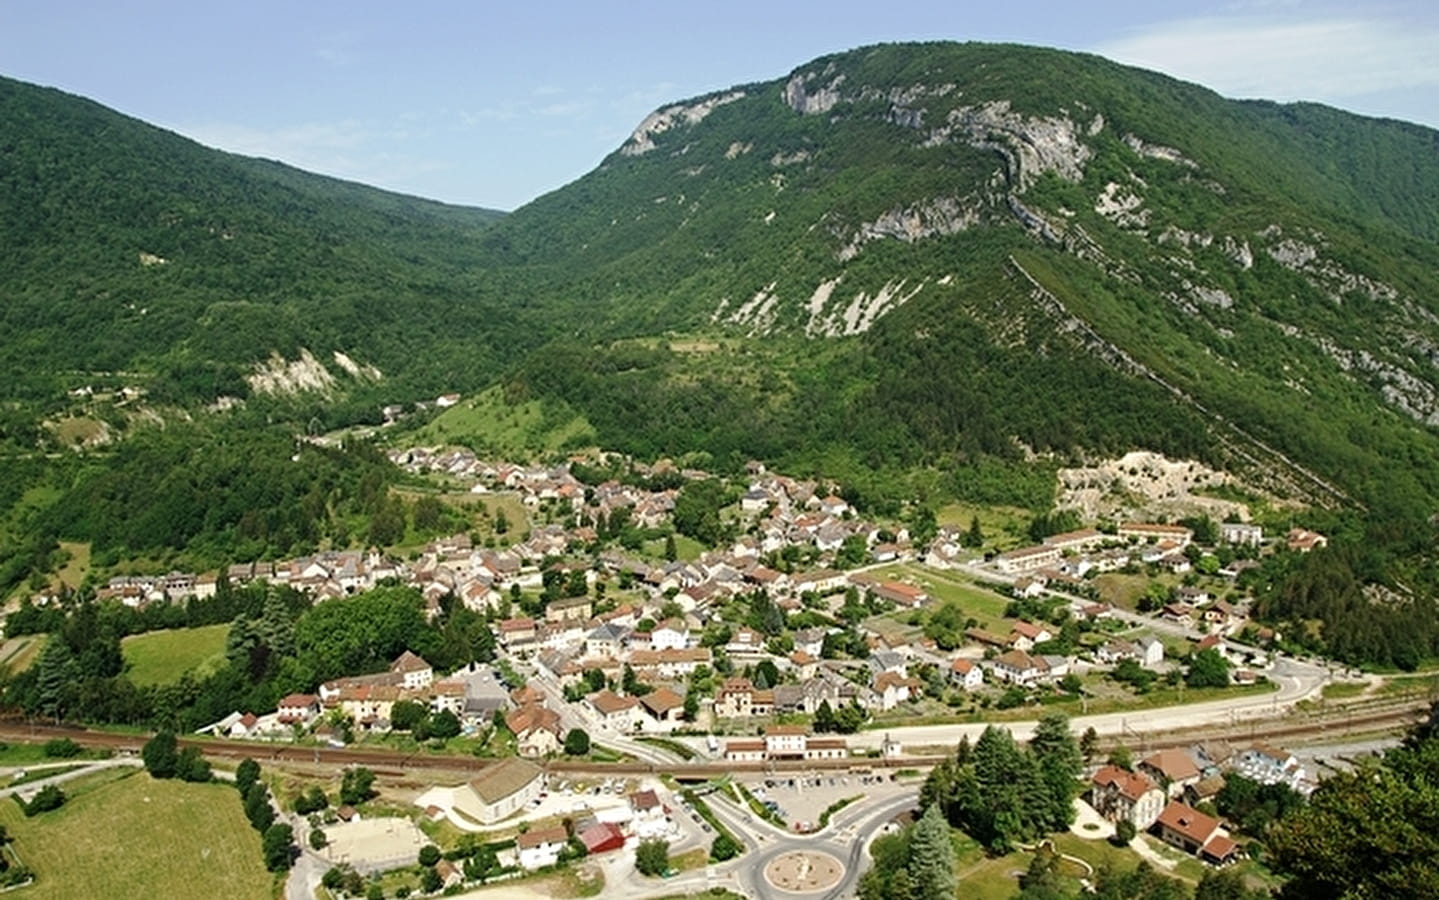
x=810 y=637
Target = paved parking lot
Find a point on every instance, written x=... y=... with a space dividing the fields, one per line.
x=803 y=798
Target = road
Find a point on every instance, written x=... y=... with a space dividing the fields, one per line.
x=579 y=715
x=85 y=768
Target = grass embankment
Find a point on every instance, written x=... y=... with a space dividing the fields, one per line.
x=124 y=834
x=161 y=657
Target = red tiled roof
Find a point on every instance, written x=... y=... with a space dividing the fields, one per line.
x=1190 y=823
x=1130 y=784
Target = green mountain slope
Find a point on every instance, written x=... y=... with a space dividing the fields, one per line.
x=940 y=258
x=125 y=248
x=959 y=245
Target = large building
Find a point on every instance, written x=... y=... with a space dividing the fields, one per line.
x=1120 y=795
x=501 y=790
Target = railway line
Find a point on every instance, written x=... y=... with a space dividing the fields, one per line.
x=1337 y=721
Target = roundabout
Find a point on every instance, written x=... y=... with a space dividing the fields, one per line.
x=804 y=871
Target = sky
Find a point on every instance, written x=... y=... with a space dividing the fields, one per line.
x=490 y=103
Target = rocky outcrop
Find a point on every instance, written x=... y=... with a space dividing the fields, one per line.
x=1030 y=145
x=1158 y=151
x=662 y=120
x=803 y=99
x=277 y=375
x=943 y=215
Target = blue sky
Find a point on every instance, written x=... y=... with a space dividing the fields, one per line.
x=493 y=103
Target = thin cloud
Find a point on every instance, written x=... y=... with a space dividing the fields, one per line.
x=1323 y=60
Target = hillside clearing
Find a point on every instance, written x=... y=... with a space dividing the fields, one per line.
x=161 y=657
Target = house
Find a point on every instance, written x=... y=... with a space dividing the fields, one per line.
x=1241 y=533
x=1029 y=586
x=619 y=713
x=569 y=609
x=1018 y=667
x=1185 y=827
x=245 y=726
x=647 y=815
x=1025 y=635
x=663 y=707
x=734 y=698
x=886 y=661
x=1267 y=764
x=1120 y=795
x=890 y=690
x=606 y=640
x=966 y=673
x=745 y=644
x=1173 y=769
x=810 y=640
x=744 y=751
x=1302 y=540
x=601 y=837
x=671 y=634
x=517 y=634
x=1151 y=651
x=1115 y=651
x=536 y=730
x=298 y=709
x=415 y=674
x=501 y=790
x=541 y=847
x=450 y=874
x=905 y=596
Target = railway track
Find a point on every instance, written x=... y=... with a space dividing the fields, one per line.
x=1338 y=721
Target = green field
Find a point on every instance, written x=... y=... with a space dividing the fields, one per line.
x=160 y=657
x=17 y=653
x=138 y=837
x=487 y=423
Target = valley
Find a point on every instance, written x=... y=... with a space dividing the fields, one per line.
x=1045 y=444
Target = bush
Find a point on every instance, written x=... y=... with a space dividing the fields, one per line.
x=1124 y=832
x=577 y=742
x=49 y=797
x=191 y=766
x=246 y=774
x=652 y=857
x=429 y=855
x=724 y=847
x=311 y=801
x=160 y=755
x=278 y=847
x=62 y=748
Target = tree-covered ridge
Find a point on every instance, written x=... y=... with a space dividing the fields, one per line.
x=126 y=248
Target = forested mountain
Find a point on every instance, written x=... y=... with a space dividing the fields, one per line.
x=960 y=245
x=128 y=249
x=939 y=258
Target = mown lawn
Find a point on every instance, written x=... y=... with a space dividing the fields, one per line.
x=161 y=657
x=18 y=653
x=138 y=837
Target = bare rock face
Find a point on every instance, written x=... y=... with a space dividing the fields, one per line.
x=277 y=375
x=943 y=215
x=1145 y=484
x=662 y=120
x=802 y=99
x=1031 y=145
